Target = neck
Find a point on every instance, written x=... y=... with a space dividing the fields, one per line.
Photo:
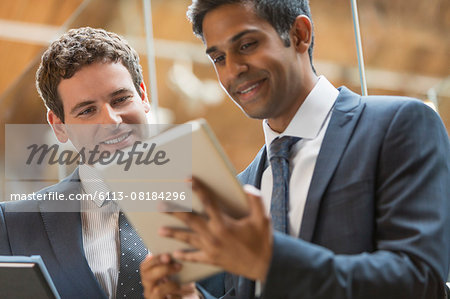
x=279 y=123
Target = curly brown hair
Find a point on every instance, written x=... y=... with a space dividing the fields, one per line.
x=75 y=49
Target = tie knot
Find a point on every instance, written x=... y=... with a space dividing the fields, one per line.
x=281 y=147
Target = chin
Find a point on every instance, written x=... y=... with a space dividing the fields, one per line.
x=257 y=108
x=256 y=114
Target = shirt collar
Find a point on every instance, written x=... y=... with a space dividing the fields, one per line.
x=311 y=116
x=92 y=183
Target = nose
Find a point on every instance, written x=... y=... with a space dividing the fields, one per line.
x=236 y=66
x=110 y=116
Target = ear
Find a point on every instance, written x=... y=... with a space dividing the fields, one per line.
x=301 y=33
x=144 y=97
x=58 y=126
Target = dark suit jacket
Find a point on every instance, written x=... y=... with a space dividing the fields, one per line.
x=35 y=228
x=376 y=221
x=56 y=236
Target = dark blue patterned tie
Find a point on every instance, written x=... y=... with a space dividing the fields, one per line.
x=132 y=253
x=279 y=160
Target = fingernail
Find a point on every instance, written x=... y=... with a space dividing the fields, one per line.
x=163 y=231
x=177 y=254
x=165 y=258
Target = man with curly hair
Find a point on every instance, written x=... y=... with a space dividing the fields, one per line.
x=92 y=84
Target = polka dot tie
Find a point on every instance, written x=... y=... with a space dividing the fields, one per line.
x=132 y=253
x=279 y=160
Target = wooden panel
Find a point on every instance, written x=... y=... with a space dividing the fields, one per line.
x=13 y=63
x=16 y=56
x=49 y=12
x=403 y=36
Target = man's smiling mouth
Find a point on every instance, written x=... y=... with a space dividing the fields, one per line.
x=118 y=139
x=249 y=89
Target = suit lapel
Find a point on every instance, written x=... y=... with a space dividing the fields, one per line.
x=253 y=173
x=245 y=288
x=343 y=120
x=65 y=234
x=342 y=123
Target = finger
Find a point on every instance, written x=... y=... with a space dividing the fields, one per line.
x=187 y=289
x=206 y=196
x=168 y=289
x=192 y=256
x=153 y=260
x=255 y=202
x=174 y=290
x=158 y=274
x=182 y=235
x=193 y=220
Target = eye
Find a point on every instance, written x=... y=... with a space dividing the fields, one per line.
x=218 y=59
x=121 y=100
x=86 y=111
x=248 y=46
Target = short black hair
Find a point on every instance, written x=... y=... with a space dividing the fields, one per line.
x=281 y=14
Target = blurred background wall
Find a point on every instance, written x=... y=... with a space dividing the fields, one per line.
x=406 y=49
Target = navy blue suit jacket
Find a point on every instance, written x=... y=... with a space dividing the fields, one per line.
x=376 y=220
x=35 y=228
x=55 y=236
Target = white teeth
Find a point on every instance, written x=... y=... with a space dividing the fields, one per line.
x=250 y=88
x=117 y=140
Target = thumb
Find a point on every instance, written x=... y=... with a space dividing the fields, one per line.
x=254 y=200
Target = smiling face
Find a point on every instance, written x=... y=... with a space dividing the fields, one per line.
x=101 y=107
x=261 y=75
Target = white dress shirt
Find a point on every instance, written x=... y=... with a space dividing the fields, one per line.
x=100 y=230
x=309 y=123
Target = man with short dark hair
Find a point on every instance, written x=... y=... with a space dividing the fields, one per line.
x=356 y=187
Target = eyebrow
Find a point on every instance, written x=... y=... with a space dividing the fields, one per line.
x=90 y=102
x=119 y=91
x=232 y=40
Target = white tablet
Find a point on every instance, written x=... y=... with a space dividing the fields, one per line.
x=189 y=150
